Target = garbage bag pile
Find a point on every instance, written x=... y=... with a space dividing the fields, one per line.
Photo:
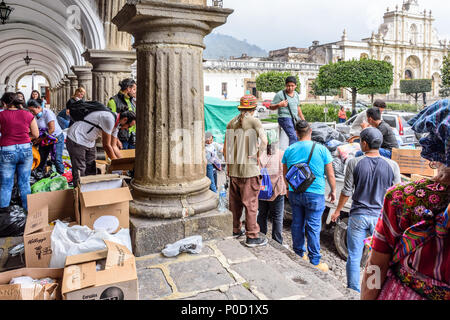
x=337 y=144
x=12 y=221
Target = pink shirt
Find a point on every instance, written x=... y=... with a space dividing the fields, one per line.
x=15 y=127
x=275 y=169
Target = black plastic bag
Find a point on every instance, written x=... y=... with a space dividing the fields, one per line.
x=15 y=197
x=323 y=133
x=12 y=221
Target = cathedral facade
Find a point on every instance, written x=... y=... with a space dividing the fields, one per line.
x=406 y=38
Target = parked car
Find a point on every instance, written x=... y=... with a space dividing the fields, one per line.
x=267 y=103
x=397 y=120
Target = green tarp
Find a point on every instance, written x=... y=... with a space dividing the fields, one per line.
x=218 y=113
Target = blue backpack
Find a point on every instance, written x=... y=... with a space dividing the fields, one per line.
x=300 y=177
x=266 y=191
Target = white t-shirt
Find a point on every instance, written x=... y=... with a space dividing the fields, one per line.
x=48 y=116
x=85 y=134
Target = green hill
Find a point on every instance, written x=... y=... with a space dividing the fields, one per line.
x=223 y=46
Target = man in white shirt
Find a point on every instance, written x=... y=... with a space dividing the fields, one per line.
x=361 y=121
x=82 y=136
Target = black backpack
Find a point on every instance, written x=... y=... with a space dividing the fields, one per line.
x=81 y=109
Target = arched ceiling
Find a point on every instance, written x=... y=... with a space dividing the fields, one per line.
x=39 y=26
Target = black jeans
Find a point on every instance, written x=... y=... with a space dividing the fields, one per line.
x=276 y=209
x=83 y=160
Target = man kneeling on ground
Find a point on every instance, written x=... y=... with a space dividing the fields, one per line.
x=82 y=136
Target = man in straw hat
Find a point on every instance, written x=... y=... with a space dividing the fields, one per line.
x=242 y=150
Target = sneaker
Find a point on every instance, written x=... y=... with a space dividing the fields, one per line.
x=239 y=234
x=256 y=242
x=323 y=267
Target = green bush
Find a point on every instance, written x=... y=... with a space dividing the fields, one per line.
x=314 y=113
x=274 y=81
x=402 y=107
x=415 y=86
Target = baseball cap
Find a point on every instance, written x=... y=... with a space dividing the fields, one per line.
x=373 y=137
x=208 y=135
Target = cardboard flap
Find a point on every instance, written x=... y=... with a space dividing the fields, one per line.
x=118 y=255
x=86 y=257
x=80 y=276
x=37 y=220
x=102 y=198
x=98 y=178
x=131 y=153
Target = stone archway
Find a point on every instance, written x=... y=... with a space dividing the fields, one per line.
x=413 y=65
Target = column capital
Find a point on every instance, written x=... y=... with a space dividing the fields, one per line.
x=161 y=22
x=109 y=60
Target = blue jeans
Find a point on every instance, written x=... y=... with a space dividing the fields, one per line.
x=383 y=152
x=307 y=210
x=63 y=123
x=45 y=151
x=16 y=158
x=288 y=127
x=276 y=209
x=127 y=146
x=359 y=228
x=342 y=120
x=212 y=175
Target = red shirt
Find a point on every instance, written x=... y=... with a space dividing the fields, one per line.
x=15 y=127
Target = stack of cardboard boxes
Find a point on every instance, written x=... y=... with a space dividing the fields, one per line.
x=412 y=164
x=82 y=278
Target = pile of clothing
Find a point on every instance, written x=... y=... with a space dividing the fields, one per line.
x=337 y=144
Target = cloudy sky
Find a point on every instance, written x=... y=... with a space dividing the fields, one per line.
x=275 y=24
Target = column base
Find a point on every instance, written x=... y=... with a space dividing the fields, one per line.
x=150 y=236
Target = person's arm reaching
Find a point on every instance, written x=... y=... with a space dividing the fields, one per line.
x=107 y=145
x=346 y=192
x=116 y=147
x=332 y=181
x=51 y=127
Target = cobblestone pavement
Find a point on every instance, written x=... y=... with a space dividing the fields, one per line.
x=328 y=250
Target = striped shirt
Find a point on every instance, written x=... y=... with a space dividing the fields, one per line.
x=405 y=206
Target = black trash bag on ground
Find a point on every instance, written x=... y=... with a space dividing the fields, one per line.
x=339 y=168
x=12 y=221
x=39 y=174
x=323 y=133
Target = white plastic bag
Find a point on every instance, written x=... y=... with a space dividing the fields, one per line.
x=192 y=245
x=81 y=239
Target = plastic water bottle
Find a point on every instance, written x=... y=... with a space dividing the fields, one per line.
x=222 y=198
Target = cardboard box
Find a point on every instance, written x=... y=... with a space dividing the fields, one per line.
x=102 y=195
x=118 y=280
x=101 y=166
x=126 y=163
x=44 y=208
x=411 y=162
x=16 y=292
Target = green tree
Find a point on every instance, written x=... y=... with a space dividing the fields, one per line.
x=416 y=87
x=274 y=81
x=355 y=75
x=373 y=91
x=445 y=73
x=318 y=91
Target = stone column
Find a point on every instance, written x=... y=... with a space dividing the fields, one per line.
x=109 y=68
x=67 y=92
x=170 y=175
x=73 y=83
x=84 y=76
